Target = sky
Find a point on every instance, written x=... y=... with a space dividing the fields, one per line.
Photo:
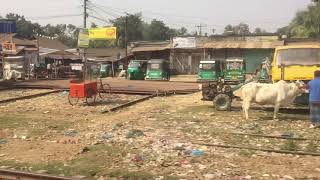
x=211 y=14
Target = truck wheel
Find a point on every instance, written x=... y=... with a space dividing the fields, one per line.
x=222 y=102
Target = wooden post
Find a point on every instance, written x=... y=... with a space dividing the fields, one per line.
x=112 y=69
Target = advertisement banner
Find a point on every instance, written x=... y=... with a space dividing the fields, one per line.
x=83 y=39
x=9 y=48
x=184 y=42
x=103 y=33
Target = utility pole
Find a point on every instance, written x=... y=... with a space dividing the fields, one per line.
x=200 y=26
x=126 y=33
x=85 y=15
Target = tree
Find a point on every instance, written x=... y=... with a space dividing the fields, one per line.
x=93 y=25
x=158 y=31
x=240 y=29
x=134 y=28
x=24 y=28
x=228 y=29
x=306 y=23
x=258 y=31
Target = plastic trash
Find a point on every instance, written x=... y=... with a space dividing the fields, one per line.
x=197 y=152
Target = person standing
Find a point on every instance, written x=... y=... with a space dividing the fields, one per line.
x=314 y=100
x=49 y=70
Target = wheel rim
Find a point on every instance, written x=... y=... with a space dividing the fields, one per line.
x=90 y=97
x=73 y=100
x=104 y=91
x=221 y=102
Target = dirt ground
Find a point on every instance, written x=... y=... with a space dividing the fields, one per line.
x=156 y=139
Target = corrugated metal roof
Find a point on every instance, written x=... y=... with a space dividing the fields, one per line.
x=150 y=48
x=213 y=45
x=243 y=44
x=51 y=43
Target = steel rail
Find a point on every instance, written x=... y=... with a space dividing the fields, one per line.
x=14 y=175
x=28 y=97
x=258 y=149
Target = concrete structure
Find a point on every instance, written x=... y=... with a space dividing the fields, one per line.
x=253 y=49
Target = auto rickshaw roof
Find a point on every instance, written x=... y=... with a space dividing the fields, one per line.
x=235 y=60
x=207 y=62
x=134 y=60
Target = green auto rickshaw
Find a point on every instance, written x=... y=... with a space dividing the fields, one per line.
x=105 y=70
x=137 y=70
x=234 y=71
x=158 y=69
x=209 y=70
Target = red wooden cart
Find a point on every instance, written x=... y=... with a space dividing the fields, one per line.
x=87 y=91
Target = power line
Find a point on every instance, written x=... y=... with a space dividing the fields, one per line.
x=104 y=11
x=100 y=19
x=200 y=26
x=53 y=17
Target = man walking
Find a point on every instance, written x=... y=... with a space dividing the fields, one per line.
x=314 y=100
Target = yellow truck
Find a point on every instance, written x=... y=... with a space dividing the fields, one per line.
x=296 y=62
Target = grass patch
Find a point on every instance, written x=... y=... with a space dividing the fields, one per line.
x=33 y=125
x=312 y=147
x=87 y=164
x=12 y=121
x=290 y=145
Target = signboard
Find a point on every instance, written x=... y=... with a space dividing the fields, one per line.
x=184 y=42
x=103 y=33
x=76 y=67
x=8 y=48
x=83 y=39
x=7 y=26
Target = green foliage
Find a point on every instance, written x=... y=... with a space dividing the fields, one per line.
x=137 y=30
x=259 y=31
x=24 y=28
x=67 y=34
x=306 y=23
x=240 y=29
x=290 y=145
x=134 y=28
x=312 y=147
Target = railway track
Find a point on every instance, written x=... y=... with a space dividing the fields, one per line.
x=28 y=97
x=118 y=86
x=19 y=175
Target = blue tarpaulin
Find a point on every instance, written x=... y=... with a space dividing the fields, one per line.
x=7 y=26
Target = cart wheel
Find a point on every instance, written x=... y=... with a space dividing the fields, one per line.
x=222 y=102
x=73 y=100
x=91 y=96
x=104 y=91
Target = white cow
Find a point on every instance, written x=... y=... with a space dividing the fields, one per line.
x=277 y=94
